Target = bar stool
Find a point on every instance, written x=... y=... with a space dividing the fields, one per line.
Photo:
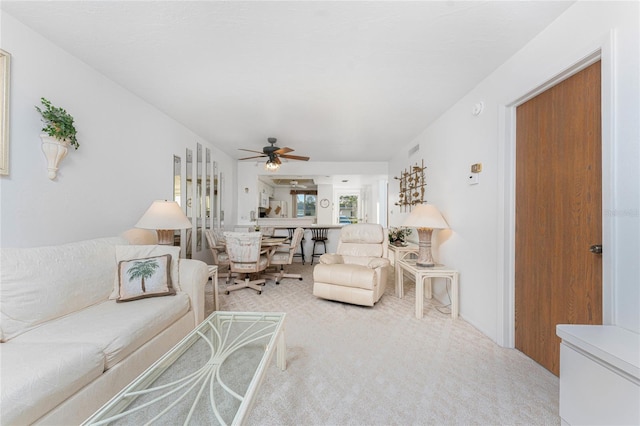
x=318 y=235
x=301 y=253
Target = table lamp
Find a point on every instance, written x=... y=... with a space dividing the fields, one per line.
x=165 y=217
x=426 y=218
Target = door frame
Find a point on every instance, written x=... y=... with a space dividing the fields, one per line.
x=603 y=51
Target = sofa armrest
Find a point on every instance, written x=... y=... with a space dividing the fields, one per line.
x=194 y=275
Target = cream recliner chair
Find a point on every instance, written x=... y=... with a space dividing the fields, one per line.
x=357 y=273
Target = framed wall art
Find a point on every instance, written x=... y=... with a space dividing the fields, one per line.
x=5 y=62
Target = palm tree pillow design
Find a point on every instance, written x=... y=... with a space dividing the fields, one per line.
x=147 y=277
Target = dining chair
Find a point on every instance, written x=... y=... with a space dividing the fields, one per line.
x=219 y=253
x=284 y=256
x=246 y=257
x=300 y=253
x=267 y=231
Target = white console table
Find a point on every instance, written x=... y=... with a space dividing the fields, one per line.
x=599 y=375
x=423 y=276
x=396 y=254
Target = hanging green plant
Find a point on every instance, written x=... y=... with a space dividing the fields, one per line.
x=58 y=123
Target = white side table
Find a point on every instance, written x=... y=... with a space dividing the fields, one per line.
x=397 y=253
x=213 y=275
x=423 y=277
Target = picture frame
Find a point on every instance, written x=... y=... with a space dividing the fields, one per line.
x=5 y=76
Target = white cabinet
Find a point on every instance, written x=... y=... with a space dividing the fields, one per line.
x=264 y=200
x=599 y=375
x=264 y=193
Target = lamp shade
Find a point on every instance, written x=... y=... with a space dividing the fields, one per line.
x=425 y=216
x=164 y=215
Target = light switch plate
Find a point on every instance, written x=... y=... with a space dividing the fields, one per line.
x=473 y=178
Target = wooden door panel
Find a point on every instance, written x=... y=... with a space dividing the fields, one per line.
x=558 y=214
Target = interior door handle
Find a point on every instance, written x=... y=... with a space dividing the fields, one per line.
x=596 y=249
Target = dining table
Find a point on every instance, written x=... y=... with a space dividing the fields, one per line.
x=270 y=244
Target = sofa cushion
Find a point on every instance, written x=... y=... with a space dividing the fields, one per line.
x=129 y=252
x=345 y=275
x=147 y=277
x=43 y=283
x=117 y=329
x=37 y=377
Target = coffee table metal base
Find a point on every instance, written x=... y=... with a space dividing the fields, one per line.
x=210 y=377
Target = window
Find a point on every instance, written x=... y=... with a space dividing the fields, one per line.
x=348 y=208
x=305 y=204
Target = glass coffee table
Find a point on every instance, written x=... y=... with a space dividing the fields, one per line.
x=210 y=377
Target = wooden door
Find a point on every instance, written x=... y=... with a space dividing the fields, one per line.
x=558 y=280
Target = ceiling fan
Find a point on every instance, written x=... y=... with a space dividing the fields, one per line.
x=295 y=184
x=274 y=153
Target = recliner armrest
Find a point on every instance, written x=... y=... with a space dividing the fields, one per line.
x=331 y=258
x=378 y=263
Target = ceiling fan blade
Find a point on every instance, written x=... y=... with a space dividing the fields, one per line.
x=277 y=160
x=249 y=158
x=283 y=150
x=250 y=150
x=295 y=157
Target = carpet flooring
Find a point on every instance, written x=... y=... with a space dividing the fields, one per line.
x=353 y=365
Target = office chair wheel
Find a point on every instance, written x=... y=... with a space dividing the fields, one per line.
x=259 y=292
x=300 y=279
x=226 y=292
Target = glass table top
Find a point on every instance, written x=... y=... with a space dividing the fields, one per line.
x=210 y=377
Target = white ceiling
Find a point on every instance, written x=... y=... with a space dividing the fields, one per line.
x=334 y=80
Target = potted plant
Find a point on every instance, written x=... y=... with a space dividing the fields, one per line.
x=397 y=236
x=59 y=133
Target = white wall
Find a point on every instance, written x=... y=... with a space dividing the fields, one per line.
x=325 y=215
x=125 y=160
x=478 y=245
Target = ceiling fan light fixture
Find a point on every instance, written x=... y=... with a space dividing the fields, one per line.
x=271 y=166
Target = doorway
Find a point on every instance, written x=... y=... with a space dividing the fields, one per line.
x=349 y=207
x=558 y=213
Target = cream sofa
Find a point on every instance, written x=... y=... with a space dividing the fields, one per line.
x=357 y=272
x=67 y=348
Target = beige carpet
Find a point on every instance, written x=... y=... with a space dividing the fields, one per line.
x=352 y=365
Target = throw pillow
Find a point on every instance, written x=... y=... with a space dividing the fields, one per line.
x=146 y=277
x=128 y=252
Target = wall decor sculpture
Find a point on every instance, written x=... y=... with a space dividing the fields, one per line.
x=412 y=185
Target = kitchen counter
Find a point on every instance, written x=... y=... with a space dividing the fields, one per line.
x=281 y=225
x=288 y=222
